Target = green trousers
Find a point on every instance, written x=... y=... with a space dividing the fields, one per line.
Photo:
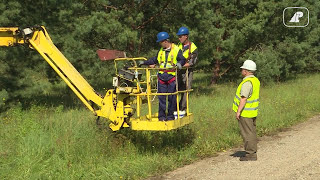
x=249 y=134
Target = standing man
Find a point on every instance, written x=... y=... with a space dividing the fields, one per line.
x=245 y=104
x=190 y=52
x=169 y=56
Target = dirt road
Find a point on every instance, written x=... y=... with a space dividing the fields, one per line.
x=293 y=154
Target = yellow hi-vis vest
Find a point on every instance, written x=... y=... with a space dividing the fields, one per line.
x=170 y=62
x=250 y=110
x=187 y=53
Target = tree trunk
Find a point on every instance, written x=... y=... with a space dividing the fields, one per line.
x=216 y=71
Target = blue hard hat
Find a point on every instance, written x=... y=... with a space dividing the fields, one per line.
x=162 y=36
x=183 y=31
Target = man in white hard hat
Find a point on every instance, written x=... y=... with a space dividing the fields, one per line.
x=245 y=104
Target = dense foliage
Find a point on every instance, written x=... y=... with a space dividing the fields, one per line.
x=226 y=33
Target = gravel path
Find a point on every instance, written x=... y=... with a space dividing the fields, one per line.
x=293 y=154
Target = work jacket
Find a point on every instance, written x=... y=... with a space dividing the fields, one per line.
x=191 y=47
x=168 y=60
x=172 y=56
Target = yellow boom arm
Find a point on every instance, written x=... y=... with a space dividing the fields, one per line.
x=37 y=38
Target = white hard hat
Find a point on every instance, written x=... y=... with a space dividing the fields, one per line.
x=249 y=65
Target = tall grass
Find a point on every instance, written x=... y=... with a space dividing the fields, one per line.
x=65 y=143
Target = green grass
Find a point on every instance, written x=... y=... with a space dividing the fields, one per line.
x=65 y=143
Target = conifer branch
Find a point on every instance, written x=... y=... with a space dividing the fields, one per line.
x=153 y=17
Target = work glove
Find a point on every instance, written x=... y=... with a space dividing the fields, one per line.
x=140 y=63
x=179 y=66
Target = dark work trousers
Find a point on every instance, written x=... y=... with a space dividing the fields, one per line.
x=249 y=134
x=166 y=87
x=182 y=79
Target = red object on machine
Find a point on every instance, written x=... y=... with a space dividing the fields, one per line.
x=106 y=54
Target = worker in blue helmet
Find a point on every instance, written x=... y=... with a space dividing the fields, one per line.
x=190 y=52
x=168 y=57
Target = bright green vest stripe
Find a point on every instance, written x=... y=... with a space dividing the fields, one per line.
x=256 y=100
x=251 y=108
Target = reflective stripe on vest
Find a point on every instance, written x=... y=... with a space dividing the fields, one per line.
x=251 y=108
x=187 y=52
x=169 y=62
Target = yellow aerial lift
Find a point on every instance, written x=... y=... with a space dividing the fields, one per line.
x=117 y=104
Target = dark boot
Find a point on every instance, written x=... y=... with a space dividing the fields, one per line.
x=249 y=157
